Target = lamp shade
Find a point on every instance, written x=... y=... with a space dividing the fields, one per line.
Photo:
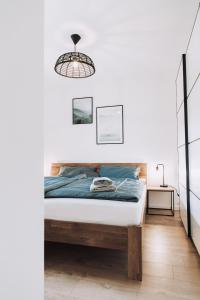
x=75 y=65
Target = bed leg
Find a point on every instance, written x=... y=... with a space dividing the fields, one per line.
x=135 y=252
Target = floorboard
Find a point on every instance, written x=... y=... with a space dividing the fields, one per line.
x=171 y=268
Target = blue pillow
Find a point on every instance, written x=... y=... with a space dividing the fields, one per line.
x=120 y=171
x=74 y=171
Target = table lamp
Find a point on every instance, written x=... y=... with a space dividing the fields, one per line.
x=157 y=168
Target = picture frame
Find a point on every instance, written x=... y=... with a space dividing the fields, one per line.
x=109 y=125
x=82 y=110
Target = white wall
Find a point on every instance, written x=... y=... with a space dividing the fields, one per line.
x=149 y=123
x=21 y=132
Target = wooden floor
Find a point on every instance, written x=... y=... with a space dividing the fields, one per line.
x=171 y=268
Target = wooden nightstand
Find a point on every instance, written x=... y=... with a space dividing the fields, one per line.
x=168 y=189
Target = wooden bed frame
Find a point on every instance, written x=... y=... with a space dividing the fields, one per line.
x=97 y=235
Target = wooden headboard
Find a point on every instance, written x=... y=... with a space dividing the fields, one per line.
x=55 y=167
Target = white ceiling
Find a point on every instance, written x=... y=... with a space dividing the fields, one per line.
x=142 y=38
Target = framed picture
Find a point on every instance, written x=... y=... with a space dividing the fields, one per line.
x=82 y=110
x=109 y=125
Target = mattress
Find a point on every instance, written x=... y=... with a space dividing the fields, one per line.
x=95 y=211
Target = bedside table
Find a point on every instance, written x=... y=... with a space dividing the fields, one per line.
x=168 y=189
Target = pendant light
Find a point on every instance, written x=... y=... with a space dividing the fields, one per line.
x=75 y=64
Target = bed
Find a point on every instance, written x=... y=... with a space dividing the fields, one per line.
x=99 y=223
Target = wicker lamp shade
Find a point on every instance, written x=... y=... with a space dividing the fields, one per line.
x=75 y=64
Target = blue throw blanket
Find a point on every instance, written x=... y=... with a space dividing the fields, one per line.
x=129 y=190
x=52 y=183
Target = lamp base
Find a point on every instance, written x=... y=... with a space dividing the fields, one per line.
x=163 y=185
